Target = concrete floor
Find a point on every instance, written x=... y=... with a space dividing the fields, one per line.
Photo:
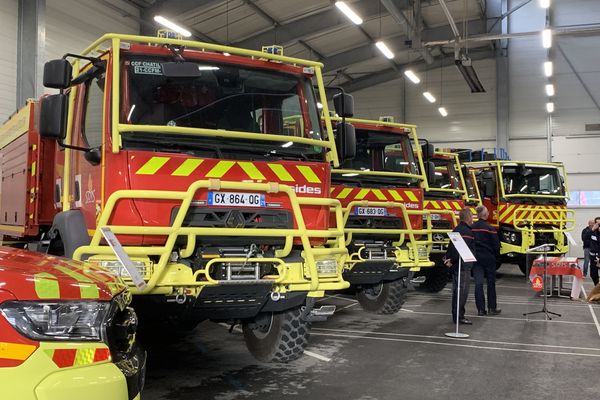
x=359 y=356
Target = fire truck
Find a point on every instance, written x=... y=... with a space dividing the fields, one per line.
x=382 y=198
x=183 y=151
x=445 y=196
x=527 y=202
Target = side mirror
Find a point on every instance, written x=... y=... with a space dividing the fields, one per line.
x=427 y=151
x=57 y=74
x=93 y=156
x=345 y=141
x=430 y=170
x=488 y=189
x=53 y=116
x=344 y=105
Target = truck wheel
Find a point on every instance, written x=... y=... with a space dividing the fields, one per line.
x=277 y=337
x=383 y=298
x=436 y=279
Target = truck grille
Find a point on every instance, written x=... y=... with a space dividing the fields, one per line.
x=356 y=222
x=235 y=218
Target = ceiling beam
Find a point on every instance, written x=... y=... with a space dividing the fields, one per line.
x=387 y=75
x=414 y=33
x=290 y=32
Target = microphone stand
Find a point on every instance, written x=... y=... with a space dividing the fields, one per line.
x=545 y=248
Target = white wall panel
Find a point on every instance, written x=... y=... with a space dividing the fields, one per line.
x=8 y=58
x=71 y=25
x=380 y=100
x=528 y=149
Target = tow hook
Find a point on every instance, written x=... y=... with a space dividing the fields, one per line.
x=312 y=314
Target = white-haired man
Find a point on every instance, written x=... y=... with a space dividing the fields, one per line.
x=487 y=248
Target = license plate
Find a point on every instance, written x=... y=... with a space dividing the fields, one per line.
x=371 y=211
x=236 y=199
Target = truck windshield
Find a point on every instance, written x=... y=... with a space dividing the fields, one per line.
x=222 y=97
x=524 y=179
x=445 y=175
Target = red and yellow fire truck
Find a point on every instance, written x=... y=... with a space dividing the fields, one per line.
x=444 y=196
x=527 y=202
x=183 y=151
x=66 y=331
x=382 y=195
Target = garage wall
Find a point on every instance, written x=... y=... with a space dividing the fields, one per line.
x=71 y=25
x=380 y=100
x=8 y=57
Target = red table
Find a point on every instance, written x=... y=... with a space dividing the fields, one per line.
x=557 y=267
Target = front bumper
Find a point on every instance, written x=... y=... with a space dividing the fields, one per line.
x=81 y=377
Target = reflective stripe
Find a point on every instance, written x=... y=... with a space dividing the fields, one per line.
x=46 y=286
x=187 y=167
x=435 y=205
x=84 y=357
x=447 y=205
x=281 y=172
x=411 y=196
x=344 y=193
x=379 y=194
x=65 y=358
x=152 y=166
x=33 y=165
x=362 y=194
x=220 y=169
x=251 y=170
x=16 y=351
x=308 y=174
x=396 y=195
x=87 y=288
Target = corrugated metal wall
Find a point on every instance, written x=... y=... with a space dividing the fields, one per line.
x=8 y=57
x=380 y=100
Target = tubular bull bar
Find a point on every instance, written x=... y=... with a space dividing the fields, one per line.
x=413 y=243
x=553 y=221
x=158 y=278
x=442 y=244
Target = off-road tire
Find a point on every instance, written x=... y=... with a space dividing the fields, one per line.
x=387 y=299
x=283 y=340
x=436 y=279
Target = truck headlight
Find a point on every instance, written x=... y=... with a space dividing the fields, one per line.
x=326 y=267
x=61 y=320
x=422 y=251
x=510 y=237
x=118 y=269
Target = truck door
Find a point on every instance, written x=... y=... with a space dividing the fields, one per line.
x=86 y=174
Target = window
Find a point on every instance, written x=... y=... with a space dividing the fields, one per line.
x=92 y=126
x=584 y=199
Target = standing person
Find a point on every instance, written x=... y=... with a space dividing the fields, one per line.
x=586 y=235
x=595 y=250
x=452 y=259
x=487 y=248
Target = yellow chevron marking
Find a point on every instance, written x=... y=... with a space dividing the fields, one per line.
x=187 y=167
x=84 y=357
x=447 y=205
x=379 y=194
x=435 y=205
x=152 y=166
x=281 y=172
x=457 y=205
x=251 y=170
x=396 y=195
x=361 y=195
x=33 y=165
x=308 y=173
x=505 y=212
x=220 y=169
x=411 y=196
x=344 y=193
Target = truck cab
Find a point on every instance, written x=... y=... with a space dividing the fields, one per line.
x=528 y=205
x=388 y=233
x=210 y=166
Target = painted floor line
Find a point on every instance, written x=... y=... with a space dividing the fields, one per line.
x=317 y=356
x=456 y=344
x=351 y=331
x=592 y=312
x=348 y=306
x=508 y=318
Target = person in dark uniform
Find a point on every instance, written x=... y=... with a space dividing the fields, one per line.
x=586 y=239
x=451 y=260
x=487 y=248
x=595 y=250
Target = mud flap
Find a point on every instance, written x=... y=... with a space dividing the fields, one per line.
x=70 y=227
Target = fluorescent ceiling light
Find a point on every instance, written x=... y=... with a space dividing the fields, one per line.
x=287 y=144
x=547 y=38
x=544 y=3
x=348 y=12
x=550 y=107
x=548 y=68
x=411 y=75
x=429 y=97
x=171 y=25
x=385 y=50
x=550 y=90
x=443 y=111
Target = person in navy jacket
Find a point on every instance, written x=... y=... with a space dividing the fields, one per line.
x=451 y=260
x=487 y=249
